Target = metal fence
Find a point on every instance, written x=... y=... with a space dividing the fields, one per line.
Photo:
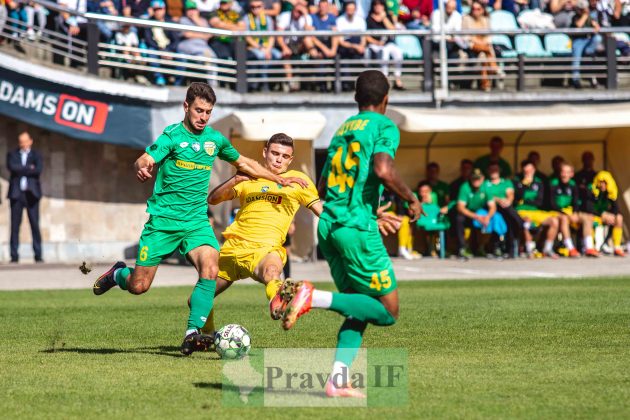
x=519 y=71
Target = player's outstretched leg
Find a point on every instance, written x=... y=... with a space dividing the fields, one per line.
x=269 y=271
x=116 y=275
x=358 y=306
x=279 y=301
x=205 y=260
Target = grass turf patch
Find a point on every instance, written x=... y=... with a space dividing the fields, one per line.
x=532 y=348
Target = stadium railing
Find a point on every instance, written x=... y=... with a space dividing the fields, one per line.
x=522 y=66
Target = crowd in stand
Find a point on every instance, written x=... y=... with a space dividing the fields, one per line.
x=342 y=16
x=490 y=211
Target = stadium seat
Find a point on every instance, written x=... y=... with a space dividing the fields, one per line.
x=500 y=20
x=433 y=221
x=558 y=44
x=410 y=45
x=506 y=44
x=530 y=46
x=622 y=36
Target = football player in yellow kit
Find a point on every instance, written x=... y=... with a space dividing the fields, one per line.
x=254 y=241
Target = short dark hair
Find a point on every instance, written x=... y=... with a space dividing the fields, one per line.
x=372 y=88
x=200 y=90
x=423 y=184
x=466 y=162
x=433 y=165
x=526 y=162
x=280 y=138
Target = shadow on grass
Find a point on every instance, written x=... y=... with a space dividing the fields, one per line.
x=171 y=351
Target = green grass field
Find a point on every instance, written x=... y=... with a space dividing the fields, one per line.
x=535 y=348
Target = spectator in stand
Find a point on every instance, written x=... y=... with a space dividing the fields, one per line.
x=273 y=8
x=534 y=158
x=334 y=6
x=126 y=37
x=563 y=12
x=502 y=192
x=73 y=26
x=225 y=17
x=324 y=20
x=496 y=147
x=481 y=45
x=31 y=10
x=260 y=48
x=453 y=22
x=292 y=47
x=351 y=47
x=474 y=204
x=137 y=9
x=175 y=9
x=3 y=17
x=105 y=7
x=157 y=39
x=466 y=167
x=583 y=44
x=206 y=7
x=414 y=14
x=383 y=47
x=601 y=202
x=196 y=43
x=621 y=13
x=584 y=177
x=565 y=201
x=529 y=198
x=440 y=188
x=15 y=11
x=556 y=165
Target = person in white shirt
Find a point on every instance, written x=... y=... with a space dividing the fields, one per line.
x=453 y=22
x=351 y=46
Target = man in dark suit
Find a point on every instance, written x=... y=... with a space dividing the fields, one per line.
x=25 y=165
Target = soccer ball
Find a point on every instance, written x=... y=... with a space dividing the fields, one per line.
x=232 y=342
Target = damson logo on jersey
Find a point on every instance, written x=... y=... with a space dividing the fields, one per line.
x=191 y=165
x=271 y=198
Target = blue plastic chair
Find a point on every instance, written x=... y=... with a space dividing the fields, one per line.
x=410 y=45
x=558 y=44
x=500 y=20
x=530 y=45
x=505 y=42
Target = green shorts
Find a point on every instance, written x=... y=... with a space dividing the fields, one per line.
x=357 y=258
x=162 y=236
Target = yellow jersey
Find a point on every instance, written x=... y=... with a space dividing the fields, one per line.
x=267 y=209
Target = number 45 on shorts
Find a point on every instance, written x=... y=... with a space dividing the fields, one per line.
x=382 y=281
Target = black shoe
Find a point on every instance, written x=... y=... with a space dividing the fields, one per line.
x=39 y=260
x=14 y=260
x=197 y=341
x=106 y=280
x=576 y=84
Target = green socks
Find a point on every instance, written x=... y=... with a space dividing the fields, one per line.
x=120 y=277
x=201 y=302
x=349 y=340
x=362 y=308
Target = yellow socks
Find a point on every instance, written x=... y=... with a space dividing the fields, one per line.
x=209 y=327
x=272 y=288
x=617 y=233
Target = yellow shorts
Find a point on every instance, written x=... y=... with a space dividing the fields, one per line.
x=537 y=217
x=239 y=258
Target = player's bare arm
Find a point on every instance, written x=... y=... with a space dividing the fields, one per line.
x=225 y=191
x=385 y=170
x=144 y=167
x=256 y=170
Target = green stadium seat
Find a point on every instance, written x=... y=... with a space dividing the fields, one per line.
x=410 y=46
x=530 y=45
x=505 y=42
x=433 y=221
x=500 y=20
x=558 y=44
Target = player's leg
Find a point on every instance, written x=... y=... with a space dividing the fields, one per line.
x=552 y=224
x=616 y=223
x=565 y=229
x=586 y=220
x=269 y=272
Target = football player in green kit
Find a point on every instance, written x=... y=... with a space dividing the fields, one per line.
x=360 y=161
x=183 y=156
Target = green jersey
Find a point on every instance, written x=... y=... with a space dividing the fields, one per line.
x=499 y=190
x=184 y=166
x=353 y=189
x=474 y=200
x=504 y=167
x=529 y=195
x=441 y=190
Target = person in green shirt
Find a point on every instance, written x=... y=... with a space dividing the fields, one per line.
x=496 y=146
x=473 y=197
x=529 y=196
x=440 y=188
x=502 y=192
x=360 y=163
x=181 y=160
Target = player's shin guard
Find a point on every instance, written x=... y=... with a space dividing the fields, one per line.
x=201 y=302
x=362 y=308
x=349 y=341
x=617 y=234
x=121 y=276
x=272 y=288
